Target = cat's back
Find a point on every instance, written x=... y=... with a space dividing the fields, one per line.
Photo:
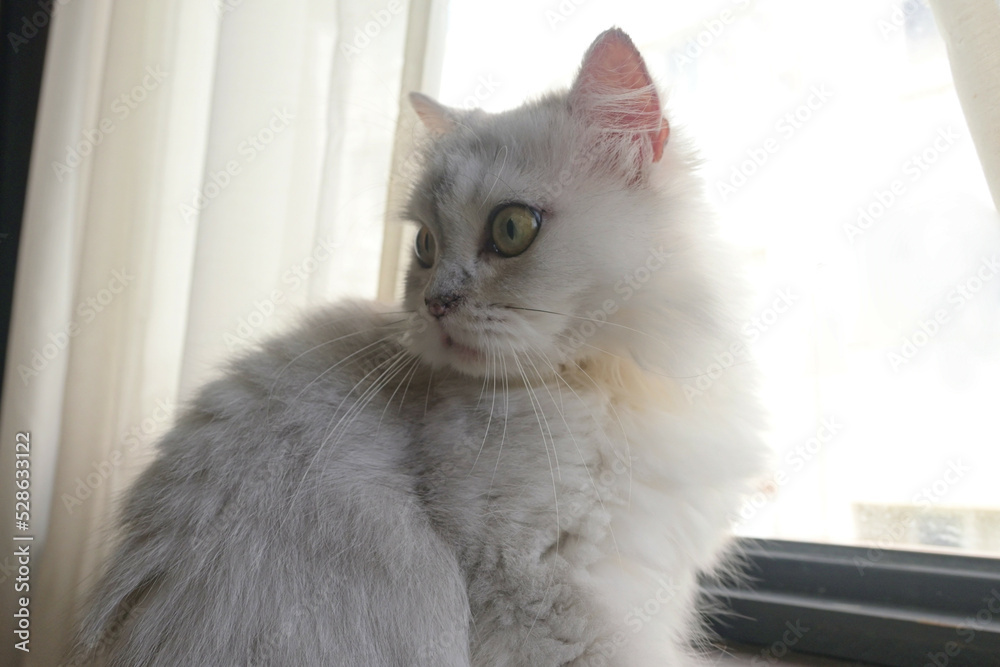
x=277 y=508
x=301 y=411
x=315 y=380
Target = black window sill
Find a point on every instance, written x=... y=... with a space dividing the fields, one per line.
x=741 y=655
x=878 y=606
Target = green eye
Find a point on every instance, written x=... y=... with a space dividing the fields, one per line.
x=513 y=227
x=425 y=247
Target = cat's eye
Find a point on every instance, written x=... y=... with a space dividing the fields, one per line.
x=425 y=247
x=513 y=227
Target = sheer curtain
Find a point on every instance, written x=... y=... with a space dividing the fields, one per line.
x=971 y=30
x=201 y=171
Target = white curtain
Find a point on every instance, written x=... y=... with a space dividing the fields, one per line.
x=971 y=31
x=201 y=170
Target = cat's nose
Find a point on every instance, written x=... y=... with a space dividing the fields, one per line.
x=440 y=306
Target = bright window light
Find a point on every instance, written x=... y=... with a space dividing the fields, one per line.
x=841 y=166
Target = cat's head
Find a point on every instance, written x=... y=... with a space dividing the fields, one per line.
x=558 y=230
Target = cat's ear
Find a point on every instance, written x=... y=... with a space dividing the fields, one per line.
x=615 y=92
x=435 y=116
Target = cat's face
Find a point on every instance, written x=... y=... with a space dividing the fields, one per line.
x=539 y=227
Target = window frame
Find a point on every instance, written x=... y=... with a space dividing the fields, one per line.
x=880 y=606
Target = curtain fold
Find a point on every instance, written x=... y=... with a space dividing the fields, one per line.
x=201 y=170
x=971 y=31
x=102 y=283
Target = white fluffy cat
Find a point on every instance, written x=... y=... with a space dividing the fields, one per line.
x=507 y=470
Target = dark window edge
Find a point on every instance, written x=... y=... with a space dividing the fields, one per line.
x=881 y=606
x=24 y=25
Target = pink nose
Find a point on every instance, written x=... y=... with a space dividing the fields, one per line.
x=440 y=306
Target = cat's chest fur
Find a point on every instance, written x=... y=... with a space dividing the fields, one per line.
x=526 y=468
x=519 y=479
x=551 y=495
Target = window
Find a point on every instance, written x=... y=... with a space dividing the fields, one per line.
x=841 y=165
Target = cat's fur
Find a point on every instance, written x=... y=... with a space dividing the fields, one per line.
x=522 y=480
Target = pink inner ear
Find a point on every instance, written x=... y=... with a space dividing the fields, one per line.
x=614 y=90
x=435 y=116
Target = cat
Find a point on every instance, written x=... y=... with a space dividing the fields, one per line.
x=507 y=469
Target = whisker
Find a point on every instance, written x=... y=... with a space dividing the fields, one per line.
x=539 y=416
x=576 y=444
x=402 y=399
x=545 y=386
x=397 y=363
x=503 y=149
x=650 y=370
x=319 y=449
x=351 y=355
x=369 y=394
x=489 y=421
x=580 y=317
x=621 y=425
x=274 y=383
x=427 y=398
x=413 y=363
x=483 y=388
x=506 y=415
